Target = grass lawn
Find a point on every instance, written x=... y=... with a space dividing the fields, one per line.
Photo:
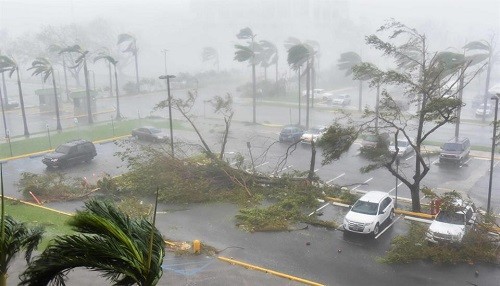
x=53 y=222
x=99 y=131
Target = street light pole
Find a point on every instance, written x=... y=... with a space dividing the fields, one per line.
x=493 y=143
x=168 y=77
x=164 y=51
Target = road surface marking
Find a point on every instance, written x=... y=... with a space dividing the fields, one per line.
x=316 y=170
x=329 y=181
x=409 y=157
x=434 y=162
x=461 y=165
x=265 y=163
x=365 y=182
x=284 y=168
x=394 y=188
x=385 y=229
x=319 y=209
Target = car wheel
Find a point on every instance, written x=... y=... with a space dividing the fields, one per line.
x=376 y=230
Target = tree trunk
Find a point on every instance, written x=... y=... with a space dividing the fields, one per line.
x=415 y=197
x=6 y=98
x=58 y=118
x=3 y=116
x=313 y=81
x=308 y=88
x=21 y=101
x=300 y=97
x=227 y=122
x=459 y=109
x=486 y=91
x=254 y=91
x=110 y=80
x=65 y=79
x=118 y=113
x=87 y=92
x=313 y=161
x=3 y=279
x=360 y=95
x=137 y=73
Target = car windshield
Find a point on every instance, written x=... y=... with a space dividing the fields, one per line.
x=154 y=130
x=452 y=147
x=63 y=149
x=363 y=207
x=450 y=217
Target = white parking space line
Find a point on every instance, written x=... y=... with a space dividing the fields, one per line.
x=409 y=157
x=319 y=209
x=365 y=182
x=434 y=162
x=385 y=229
x=316 y=170
x=263 y=164
x=284 y=168
x=496 y=164
x=331 y=180
x=393 y=189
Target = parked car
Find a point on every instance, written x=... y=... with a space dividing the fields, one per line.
x=11 y=105
x=450 y=226
x=149 y=133
x=404 y=147
x=455 y=151
x=372 y=139
x=317 y=92
x=341 y=99
x=481 y=110
x=291 y=133
x=369 y=213
x=69 y=153
x=313 y=135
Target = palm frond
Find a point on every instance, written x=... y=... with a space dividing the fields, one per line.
x=125 y=38
x=298 y=55
x=243 y=53
x=245 y=33
x=291 y=41
x=477 y=45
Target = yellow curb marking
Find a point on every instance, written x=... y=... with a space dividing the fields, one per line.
x=283 y=275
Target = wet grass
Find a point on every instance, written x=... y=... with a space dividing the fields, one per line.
x=99 y=131
x=53 y=222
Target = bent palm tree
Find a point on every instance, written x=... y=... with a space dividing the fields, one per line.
x=113 y=62
x=126 y=251
x=248 y=54
x=14 y=237
x=299 y=55
x=81 y=60
x=56 y=49
x=44 y=67
x=269 y=57
x=131 y=48
x=7 y=64
x=486 y=52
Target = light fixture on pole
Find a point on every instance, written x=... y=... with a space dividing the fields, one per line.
x=168 y=77
x=164 y=51
x=493 y=143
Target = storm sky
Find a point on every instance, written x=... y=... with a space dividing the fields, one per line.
x=184 y=27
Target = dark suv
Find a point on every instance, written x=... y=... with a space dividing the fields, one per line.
x=455 y=151
x=70 y=153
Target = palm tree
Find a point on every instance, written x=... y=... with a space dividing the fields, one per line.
x=82 y=60
x=210 y=54
x=113 y=62
x=14 y=237
x=346 y=62
x=44 y=67
x=126 y=251
x=56 y=49
x=299 y=55
x=290 y=42
x=6 y=98
x=269 y=57
x=248 y=54
x=7 y=64
x=131 y=48
x=486 y=51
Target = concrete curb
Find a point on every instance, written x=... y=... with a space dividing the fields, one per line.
x=279 y=274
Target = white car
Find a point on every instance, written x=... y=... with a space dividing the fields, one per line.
x=404 y=147
x=480 y=110
x=341 y=99
x=369 y=213
x=313 y=134
x=451 y=226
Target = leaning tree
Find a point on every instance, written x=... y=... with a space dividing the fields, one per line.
x=42 y=66
x=8 y=64
x=430 y=80
x=131 y=47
